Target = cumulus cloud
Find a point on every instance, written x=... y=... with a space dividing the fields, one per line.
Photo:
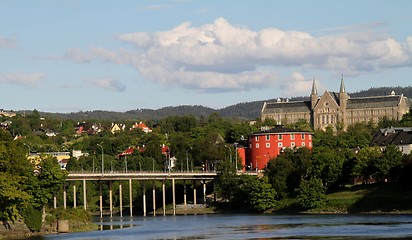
x=22 y=78
x=8 y=43
x=107 y=83
x=226 y=57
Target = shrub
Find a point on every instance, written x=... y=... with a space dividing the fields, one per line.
x=311 y=193
x=33 y=218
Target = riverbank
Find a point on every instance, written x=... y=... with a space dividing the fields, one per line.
x=365 y=199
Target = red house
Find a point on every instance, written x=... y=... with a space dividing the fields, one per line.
x=268 y=143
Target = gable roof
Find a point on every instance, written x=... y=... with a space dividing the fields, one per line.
x=396 y=136
x=374 y=102
x=286 y=107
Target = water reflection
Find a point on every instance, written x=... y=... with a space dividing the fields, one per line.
x=250 y=227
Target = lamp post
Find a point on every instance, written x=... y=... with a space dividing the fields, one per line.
x=235 y=155
x=187 y=159
x=102 y=158
x=230 y=154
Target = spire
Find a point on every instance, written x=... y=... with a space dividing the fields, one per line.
x=314 y=90
x=342 y=86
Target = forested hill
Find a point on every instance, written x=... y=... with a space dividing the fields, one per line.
x=246 y=110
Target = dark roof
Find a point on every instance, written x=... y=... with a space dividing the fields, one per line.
x=373 y=102
x=335 y=96
x=285 y=107
x=279 y=129
x=396 y=136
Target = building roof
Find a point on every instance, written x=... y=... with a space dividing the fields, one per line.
x=396 y=136
x=279 y=129
x=286 y=107
x=374 y=102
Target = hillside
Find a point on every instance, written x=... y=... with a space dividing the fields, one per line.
x=245 y=110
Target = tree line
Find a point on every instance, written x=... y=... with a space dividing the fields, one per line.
x=196 y=142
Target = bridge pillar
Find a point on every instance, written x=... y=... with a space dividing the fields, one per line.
x=194 y=193
x=144 y=199
x=101 y=199
x=84 y=195
x=121 y=199
x=154 y=198
x=184 y=194
x=204 y=191
x=174 y=196
x=74 y=195
x=164 y=197
x=54 y=200
x=130 y=197
x=64 y=197
x=111 y=198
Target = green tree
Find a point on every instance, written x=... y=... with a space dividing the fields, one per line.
x=278 y=171
x=49 y=180
x=311 y=193
x=261 y=194
x=362 y=163
x=389 y=162
x=13 y=197
x=328 y=165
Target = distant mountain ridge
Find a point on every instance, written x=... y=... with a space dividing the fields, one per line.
x=245 y=110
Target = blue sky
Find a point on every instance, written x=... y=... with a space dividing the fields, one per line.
x=75 y=55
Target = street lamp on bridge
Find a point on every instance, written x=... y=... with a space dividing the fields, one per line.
x=187 y=159
x=102 y=158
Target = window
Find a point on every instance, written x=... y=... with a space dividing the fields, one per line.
x=267 y=137
x=267 y=145
x=310 y=144
x=292 y=144
x=303 y=136
x=303 y=144
x=310 y=137
x=257 y=145
x=279 y=136
x=257 y=138
x=280 y=145
x=292 y=136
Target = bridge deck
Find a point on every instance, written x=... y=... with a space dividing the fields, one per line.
x=75 y=176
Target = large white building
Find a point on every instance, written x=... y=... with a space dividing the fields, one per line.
x=332 y=108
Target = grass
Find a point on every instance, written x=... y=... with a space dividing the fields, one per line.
x=371 y=198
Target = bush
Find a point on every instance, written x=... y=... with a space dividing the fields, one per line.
x=33 y=218
x=311 y=193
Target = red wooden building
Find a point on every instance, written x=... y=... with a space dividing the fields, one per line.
x=269 y=142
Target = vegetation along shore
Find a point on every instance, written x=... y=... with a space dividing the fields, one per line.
x=342 y=173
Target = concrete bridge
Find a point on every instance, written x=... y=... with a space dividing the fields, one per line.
x=201 y=177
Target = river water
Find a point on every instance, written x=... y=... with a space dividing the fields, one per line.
x=217 y=226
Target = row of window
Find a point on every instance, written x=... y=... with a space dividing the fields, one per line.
x=379 y=112
x=280 y=145
x=280 y=137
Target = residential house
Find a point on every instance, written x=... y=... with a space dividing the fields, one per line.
x=398 y=136
x=141 y=126
x=117 y=127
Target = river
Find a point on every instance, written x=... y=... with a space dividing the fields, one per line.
x=217 y=226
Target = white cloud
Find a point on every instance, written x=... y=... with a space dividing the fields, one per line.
x=8 y=43
x=22 y=78
x=296 y=85
x=225 y=57
x=77 y=55
x=107 y=83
